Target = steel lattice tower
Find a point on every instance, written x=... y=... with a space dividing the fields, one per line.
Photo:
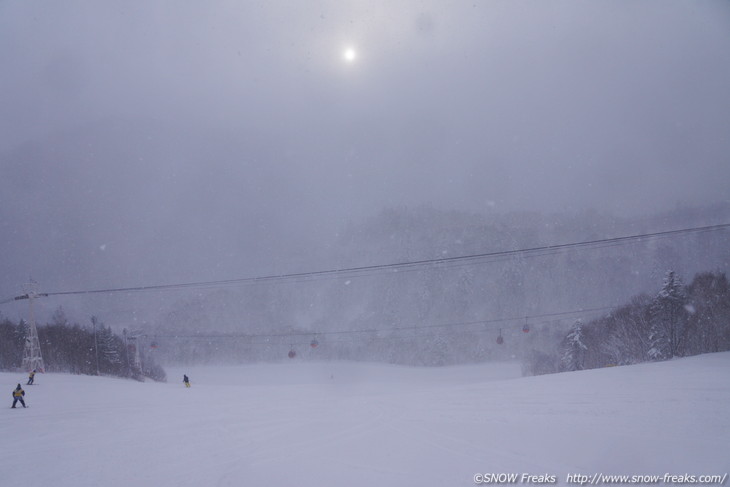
x=32 y=357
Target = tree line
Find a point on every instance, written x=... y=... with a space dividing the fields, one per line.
x=678 y=321
x=75 y=349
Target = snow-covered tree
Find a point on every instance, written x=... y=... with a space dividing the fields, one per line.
x=574 y=349
x=111 y=348
x=12 y=339
x=668 y=319
x=708 y=324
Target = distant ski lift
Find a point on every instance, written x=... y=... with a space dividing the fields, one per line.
x=526 y=328
x=154 y=345
x=314 y=343
x=292 y=353
x=500 y=340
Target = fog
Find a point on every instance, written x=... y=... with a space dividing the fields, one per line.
x=166 y=142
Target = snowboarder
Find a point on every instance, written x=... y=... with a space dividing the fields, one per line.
x=31 y=377
x=18 y=394
x=186 y=380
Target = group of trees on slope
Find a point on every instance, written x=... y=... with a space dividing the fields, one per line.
x=75 y=349
x=679 y=321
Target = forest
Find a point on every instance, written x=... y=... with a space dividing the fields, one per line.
x=71 y=348
x=678 y=321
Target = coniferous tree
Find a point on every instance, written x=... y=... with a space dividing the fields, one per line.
x=111 y=349
x=11 y=345
x=574 y=349
x=708 y=326
x=668 y=320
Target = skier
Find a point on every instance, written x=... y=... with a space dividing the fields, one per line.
x=186 y=380
x=18 y=394
x=31 y=378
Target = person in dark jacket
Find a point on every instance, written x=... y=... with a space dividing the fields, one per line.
x=18 y=394
x=31 y=377
x=186 y=380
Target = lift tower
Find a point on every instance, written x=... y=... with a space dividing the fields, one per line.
x=32 y=357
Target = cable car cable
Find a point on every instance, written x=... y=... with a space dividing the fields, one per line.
x=354 y=271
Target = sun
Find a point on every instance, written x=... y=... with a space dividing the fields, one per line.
x=349 y=54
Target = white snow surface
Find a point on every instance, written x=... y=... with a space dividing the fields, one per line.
x=355 y=424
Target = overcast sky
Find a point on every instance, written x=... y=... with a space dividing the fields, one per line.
x=194 y=134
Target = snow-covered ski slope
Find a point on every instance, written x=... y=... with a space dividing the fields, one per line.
x=351 y=424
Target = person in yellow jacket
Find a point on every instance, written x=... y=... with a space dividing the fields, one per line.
x=31 y=377
x=18 y=394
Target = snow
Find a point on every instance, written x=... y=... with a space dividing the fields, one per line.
x=354 y=424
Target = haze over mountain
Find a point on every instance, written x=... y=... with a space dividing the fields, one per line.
x=164 y=143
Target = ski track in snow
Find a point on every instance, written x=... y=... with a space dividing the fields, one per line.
x=350 y=424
